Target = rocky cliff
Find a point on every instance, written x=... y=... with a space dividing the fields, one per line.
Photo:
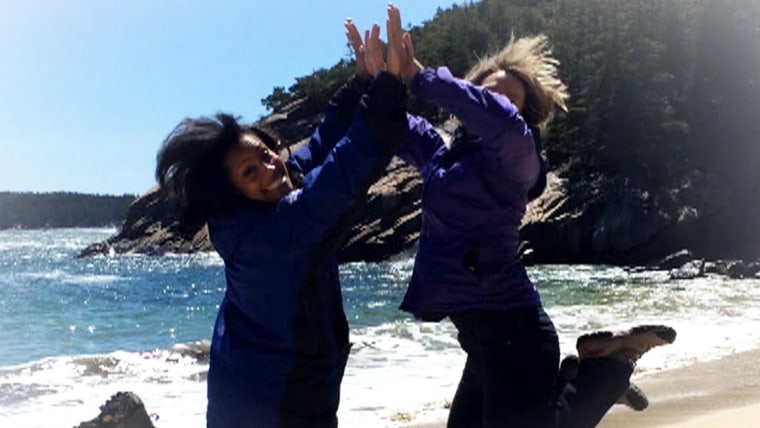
x=608 y=221
x=389 y=224
x=580 y=220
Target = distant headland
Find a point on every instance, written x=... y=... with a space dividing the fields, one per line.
x=27 y=210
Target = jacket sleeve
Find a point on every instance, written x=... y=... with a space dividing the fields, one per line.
x=332 y=127
x=358 y=159
x=506 y=139
x=422 y=141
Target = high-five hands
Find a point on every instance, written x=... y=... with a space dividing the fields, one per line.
x=369 y=51
x=357 y=44
x=396 y=56
x=373 y=56
x=400 y=47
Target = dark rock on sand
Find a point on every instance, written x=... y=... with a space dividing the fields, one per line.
x=122 y=410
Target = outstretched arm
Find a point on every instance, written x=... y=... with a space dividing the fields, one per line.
x=422 y=139
x=484 y=113
x=491 y=116
x=353 y=165
x=378 y=130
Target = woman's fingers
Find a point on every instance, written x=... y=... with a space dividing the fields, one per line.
x=352 y=34
x=375 y=33
x=394 y=15
x=374 y=53
x=355 y=40
x=410 y=64
x=393 y=28
x=406 y=41
x=396 y=54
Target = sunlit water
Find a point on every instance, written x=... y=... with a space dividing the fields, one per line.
x=74 y=331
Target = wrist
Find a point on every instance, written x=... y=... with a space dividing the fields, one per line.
x=363 y=77
x=411 y=72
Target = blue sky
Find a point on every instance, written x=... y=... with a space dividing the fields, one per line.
x=90 y=88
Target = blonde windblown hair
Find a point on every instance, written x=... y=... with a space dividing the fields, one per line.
x=529 y=59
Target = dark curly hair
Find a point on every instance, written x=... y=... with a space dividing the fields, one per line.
x=190 y=165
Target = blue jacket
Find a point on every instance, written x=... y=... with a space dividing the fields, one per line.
x=473 y=200
x=280 y=342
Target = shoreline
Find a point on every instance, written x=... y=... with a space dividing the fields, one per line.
x=719 y=393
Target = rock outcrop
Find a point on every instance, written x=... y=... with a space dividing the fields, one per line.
x=388 y=224
x=608 y=221
x=582 y=220
x=389 y=221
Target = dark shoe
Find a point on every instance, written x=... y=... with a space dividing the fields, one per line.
x=634 y=398
x=627 y=346
x=568 y=368
x=122 y=410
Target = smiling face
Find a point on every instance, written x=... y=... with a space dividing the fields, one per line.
x=257 y=172
x=508 y=85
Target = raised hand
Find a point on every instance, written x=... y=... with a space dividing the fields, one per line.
x=396 y=54
x=373 y=51
x=357 y=44
x=400 y=47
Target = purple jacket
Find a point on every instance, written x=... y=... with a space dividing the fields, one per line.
x=473 y=200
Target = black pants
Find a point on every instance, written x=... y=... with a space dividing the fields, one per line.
x=510 y=377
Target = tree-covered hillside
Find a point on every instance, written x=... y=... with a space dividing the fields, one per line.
x=656 y=156
x=61 y=209
x=660 y=89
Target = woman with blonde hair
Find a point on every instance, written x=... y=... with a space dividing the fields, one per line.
x=466 y=268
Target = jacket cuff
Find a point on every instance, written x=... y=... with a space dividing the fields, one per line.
x=386 y=93
x=360 y=86
x=423 y=80
x=347 y=97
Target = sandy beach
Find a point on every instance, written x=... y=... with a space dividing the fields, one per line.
x=724 y=393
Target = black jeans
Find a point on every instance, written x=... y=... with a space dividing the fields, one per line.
x=510 y=377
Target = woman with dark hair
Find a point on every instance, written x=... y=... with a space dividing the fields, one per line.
x=280 y=342
x=466 y=268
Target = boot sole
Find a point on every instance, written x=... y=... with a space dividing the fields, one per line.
x=640 y=339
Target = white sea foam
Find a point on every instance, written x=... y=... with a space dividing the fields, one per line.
x=52 y=239
x=70 y=390
x=11 y=245
x=68 y=278
x=398 y=372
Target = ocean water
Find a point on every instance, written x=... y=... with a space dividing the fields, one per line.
x=74 y=331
